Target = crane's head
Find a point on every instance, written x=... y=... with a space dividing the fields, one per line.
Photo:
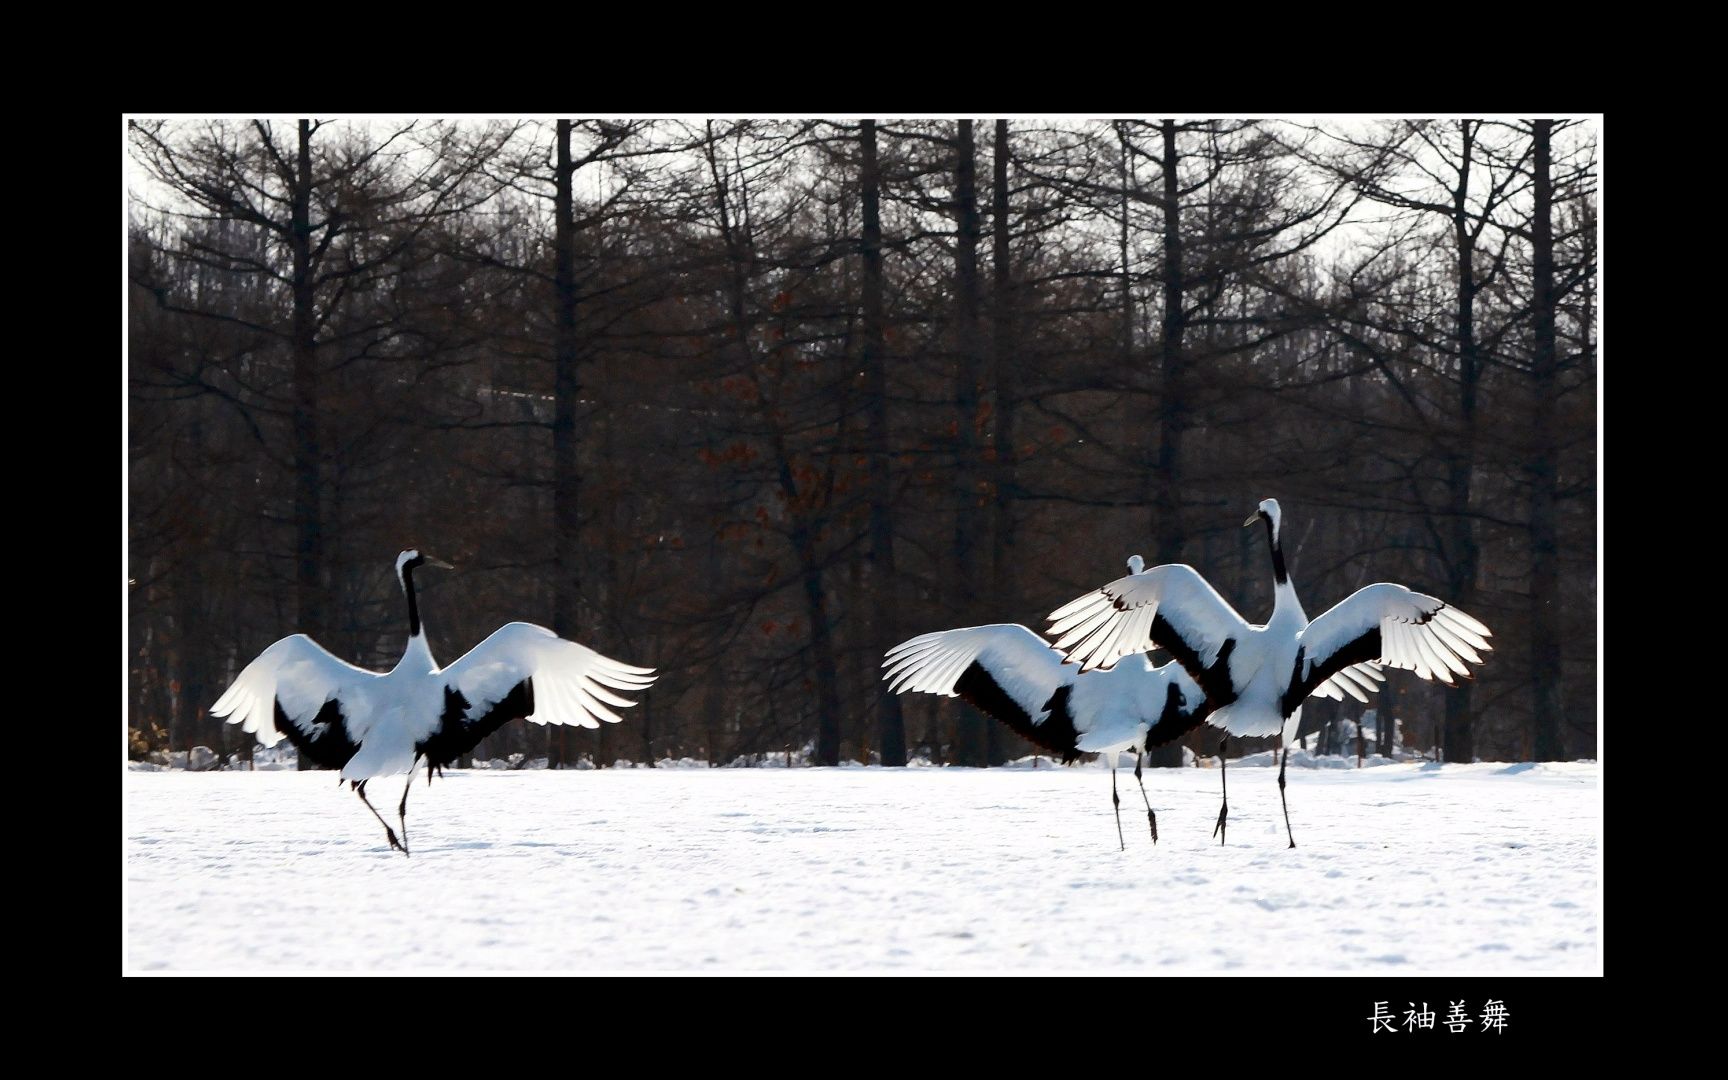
x=412 y=560
x=1136 y=564
x=1267 y=512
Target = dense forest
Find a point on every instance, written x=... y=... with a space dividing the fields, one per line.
x=751 y=401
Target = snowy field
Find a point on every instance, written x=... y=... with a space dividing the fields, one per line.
x=1408 y=869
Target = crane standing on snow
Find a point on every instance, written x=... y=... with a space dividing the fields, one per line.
x=1256 y=677
x=1016 y=676
x=371 y=723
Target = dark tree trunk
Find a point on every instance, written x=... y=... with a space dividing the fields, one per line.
x=1544 y=515
x=1172 y=404
x=308 y=488
x=604 y=754
x=714 y=678
x=1166 y=477
x=1385 y=723
x=890 y=723
x=971 y=726
x=566 y=477
x=1124 y=255
x=191 y=652
x=193 y=686
x=821 y=642
x=1463 y=554
x=1005 y=375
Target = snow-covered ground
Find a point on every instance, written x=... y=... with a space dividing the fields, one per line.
x=1402 y=868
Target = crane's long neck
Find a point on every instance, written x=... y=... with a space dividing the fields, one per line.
x=418 y=655
x=1279 y=574
x=413 y=605
x=1284 y=600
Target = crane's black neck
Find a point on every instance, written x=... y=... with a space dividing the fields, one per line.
x=408 y=587
x=1279 y=574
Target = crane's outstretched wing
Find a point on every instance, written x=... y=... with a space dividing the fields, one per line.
x=296 y=689
x=1391 y=625
x=1004 y=669
x=527 y=671
x=1170 y=607
x=1357 y=680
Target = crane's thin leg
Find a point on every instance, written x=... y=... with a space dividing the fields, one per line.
x=388 y=831
x=402 y=809
x=1151 y=818
x=1284 y=759
x=1117 y=800
x=1219 y=830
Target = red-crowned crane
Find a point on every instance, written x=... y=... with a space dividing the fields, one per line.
x=1014 y=675
x=1256 y=677
x=385 y=723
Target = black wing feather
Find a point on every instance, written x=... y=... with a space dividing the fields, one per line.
x=1215 y=680
x=1177 y=719
x=1055 y=734
x=327 y=744
x=459 y=733
x=1359 y=650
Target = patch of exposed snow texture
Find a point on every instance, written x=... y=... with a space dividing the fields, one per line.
x=1400 y=868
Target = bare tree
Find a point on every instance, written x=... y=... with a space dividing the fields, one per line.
x=891 y=724
x=325 y=223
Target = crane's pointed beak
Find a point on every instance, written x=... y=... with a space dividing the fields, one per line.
x=1252 y=518
x=439 y=563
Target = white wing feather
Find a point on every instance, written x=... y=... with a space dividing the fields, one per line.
x=1417 y=633
x=1022 y=663
x=1358 y=681
x=300 y=673
x=1115 y=621
x=573 y=684
x=1108 y=709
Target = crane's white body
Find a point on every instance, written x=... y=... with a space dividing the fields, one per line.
x=1258 y=675
x=1266 y=651
x=1019 y=678
x=372 y=723
x=389 y=714
x=1110 y=710
x=384 y=723
x=1256 y=678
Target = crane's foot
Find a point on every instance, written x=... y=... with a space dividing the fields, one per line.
x=1152 y=820
x=1219 y=830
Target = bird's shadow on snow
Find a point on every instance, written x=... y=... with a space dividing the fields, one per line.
x=1423 y=772
x=484 y=845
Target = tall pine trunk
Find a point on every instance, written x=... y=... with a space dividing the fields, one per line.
x=1458 y=740
x=1544 y=515
x=1166 y=478
x=890 y=721
x=566 y=479
x=188 y=725
x=308 y=486
x=971 y=726
x=1005 y=372
x=821 y=637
